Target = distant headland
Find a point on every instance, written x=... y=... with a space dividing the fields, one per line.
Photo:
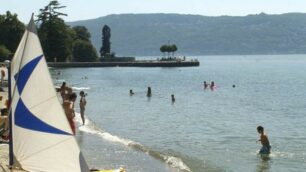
x=141 y=34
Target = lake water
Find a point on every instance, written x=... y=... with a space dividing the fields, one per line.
x=204 y=130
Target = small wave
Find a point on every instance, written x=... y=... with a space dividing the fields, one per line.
x=80 y=88
x=59 y=81
x=279 y=154
x=90 y=128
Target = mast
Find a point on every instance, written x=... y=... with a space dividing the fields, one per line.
x=11 y=159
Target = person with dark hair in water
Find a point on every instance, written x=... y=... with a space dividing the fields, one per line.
x=266 y=148
x=82 y=105
x=212 y=86
x=131 y=92
x=205 y=85
x=68 y=106
x=149 y=92
x=172 y=98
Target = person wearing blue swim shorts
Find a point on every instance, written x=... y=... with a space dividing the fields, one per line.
x=266 y=147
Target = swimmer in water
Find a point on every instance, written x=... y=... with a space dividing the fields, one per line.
x=205 y=85
x=149 y=92
x=172 y=98
x=131 y=92
x=212 y=85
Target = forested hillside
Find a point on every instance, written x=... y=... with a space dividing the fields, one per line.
x=143 y=34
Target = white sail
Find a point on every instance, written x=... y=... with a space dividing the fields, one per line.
x=42 y=137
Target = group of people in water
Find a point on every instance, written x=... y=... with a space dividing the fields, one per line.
x=149 y=94
x=212 y=85
x=69 y=97
x=266 y=147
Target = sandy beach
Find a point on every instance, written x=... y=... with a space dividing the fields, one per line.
x=4 y=157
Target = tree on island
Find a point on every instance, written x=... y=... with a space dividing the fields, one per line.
x=11 y=31
x=163 y=49
x=106 y=44
x=169 y=49
x=83 y=50
x=173 y=49
x=56 y=37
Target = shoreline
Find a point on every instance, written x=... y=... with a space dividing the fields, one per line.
x=126 y=64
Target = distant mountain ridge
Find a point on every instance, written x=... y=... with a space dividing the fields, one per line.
x=143 y=34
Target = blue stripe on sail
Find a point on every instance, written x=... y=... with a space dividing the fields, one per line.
x=24 y=74
x=25 y=119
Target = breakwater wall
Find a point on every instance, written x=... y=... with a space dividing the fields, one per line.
x=126 y=64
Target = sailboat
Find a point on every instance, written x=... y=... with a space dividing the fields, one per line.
x=40 y=136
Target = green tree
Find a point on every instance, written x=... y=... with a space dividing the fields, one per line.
x=55 y=36
x=11 y=31
x=106 y=44
x=83 y=51
x=82 y=33
x=169 y=49
x=4 y=53
x=173 y=49
x=163 y=49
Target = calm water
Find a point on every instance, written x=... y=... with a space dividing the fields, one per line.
x=203 y=130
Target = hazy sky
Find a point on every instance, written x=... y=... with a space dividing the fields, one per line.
x=88 y=9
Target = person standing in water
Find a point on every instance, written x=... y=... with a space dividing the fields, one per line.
x=82 y=105
x=172 y=98
x=68 y=106
x=149 y=92
x=205 y=85
x=266 y=148
x=212 y=85
x=131 y=92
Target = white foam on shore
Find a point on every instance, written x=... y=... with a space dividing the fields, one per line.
x=80 y=88
x=90 y=128
x=176 y=163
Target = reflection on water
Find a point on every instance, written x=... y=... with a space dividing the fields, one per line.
x=264 y=164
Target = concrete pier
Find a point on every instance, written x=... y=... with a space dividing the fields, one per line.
x=126 y=64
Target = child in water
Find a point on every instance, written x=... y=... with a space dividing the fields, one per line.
x=266 y=148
